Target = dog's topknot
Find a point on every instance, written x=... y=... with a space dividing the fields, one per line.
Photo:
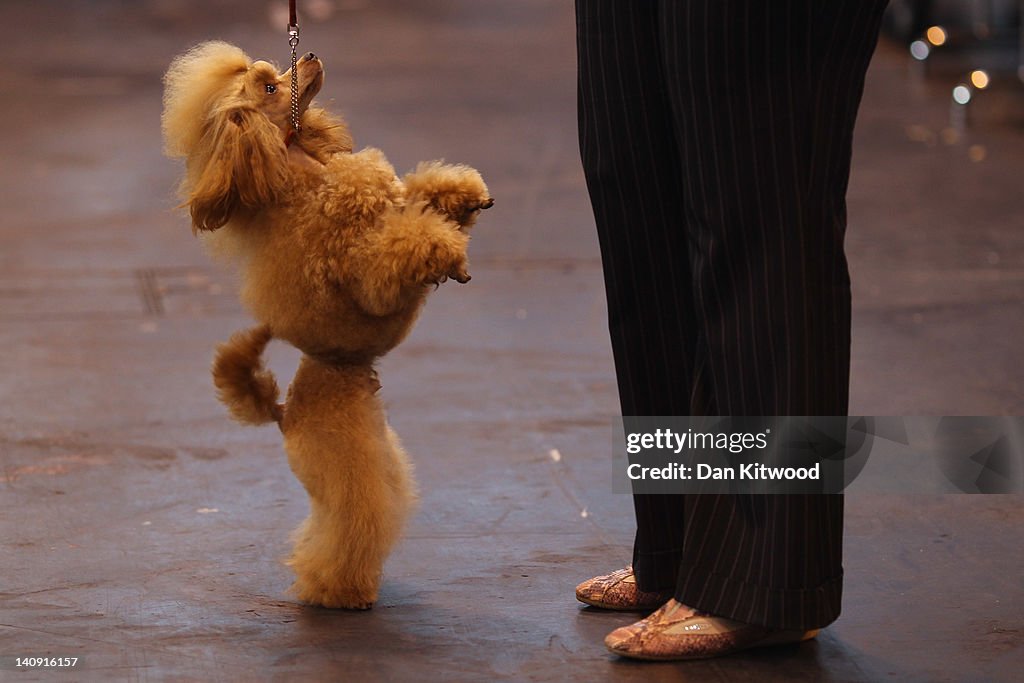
x=191 y=85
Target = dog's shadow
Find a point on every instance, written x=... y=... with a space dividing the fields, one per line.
x=405 y=624
x=412 y=625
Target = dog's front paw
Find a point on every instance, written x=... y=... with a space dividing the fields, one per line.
x=456 y=191
x=460 y=274
x=457 y=273
x=467 y=215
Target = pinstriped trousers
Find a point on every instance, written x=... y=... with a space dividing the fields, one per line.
x=716 y=138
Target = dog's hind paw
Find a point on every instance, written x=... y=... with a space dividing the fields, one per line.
x=348 y=604
x=315 y=592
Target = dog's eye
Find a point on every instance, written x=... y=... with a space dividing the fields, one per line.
x=271 y=88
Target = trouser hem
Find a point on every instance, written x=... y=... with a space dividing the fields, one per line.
x=792 y=608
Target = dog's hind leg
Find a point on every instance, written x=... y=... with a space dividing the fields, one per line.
x=358 y=479
x=336 y=563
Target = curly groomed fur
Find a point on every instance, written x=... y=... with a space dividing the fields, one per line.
x=337 y=255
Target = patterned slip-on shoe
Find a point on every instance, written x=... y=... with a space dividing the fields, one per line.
x=677 y=632
x=618 y=591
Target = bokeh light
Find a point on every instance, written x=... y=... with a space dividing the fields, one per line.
x=919 y=50
x=936 y=35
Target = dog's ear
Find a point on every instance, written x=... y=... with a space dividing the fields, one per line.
x=245 y=164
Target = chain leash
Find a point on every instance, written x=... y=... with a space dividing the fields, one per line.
x=293 y=43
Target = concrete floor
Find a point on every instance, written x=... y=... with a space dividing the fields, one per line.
x=141 y=530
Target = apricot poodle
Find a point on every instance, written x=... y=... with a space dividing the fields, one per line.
x=337 y=255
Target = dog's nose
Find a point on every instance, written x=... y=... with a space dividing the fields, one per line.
x=309 y=57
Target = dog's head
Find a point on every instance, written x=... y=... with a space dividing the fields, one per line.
x=230 y=117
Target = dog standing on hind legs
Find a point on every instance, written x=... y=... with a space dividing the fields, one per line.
x=336 y=255
x=339 y=445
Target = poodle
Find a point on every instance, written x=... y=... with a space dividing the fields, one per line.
x=336 y=256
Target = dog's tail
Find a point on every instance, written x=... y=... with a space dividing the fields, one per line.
x=243 y=383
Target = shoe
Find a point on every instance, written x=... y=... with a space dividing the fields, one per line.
x=618 y=591
x=677 y=632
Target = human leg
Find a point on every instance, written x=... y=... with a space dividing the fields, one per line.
x=630 y=158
